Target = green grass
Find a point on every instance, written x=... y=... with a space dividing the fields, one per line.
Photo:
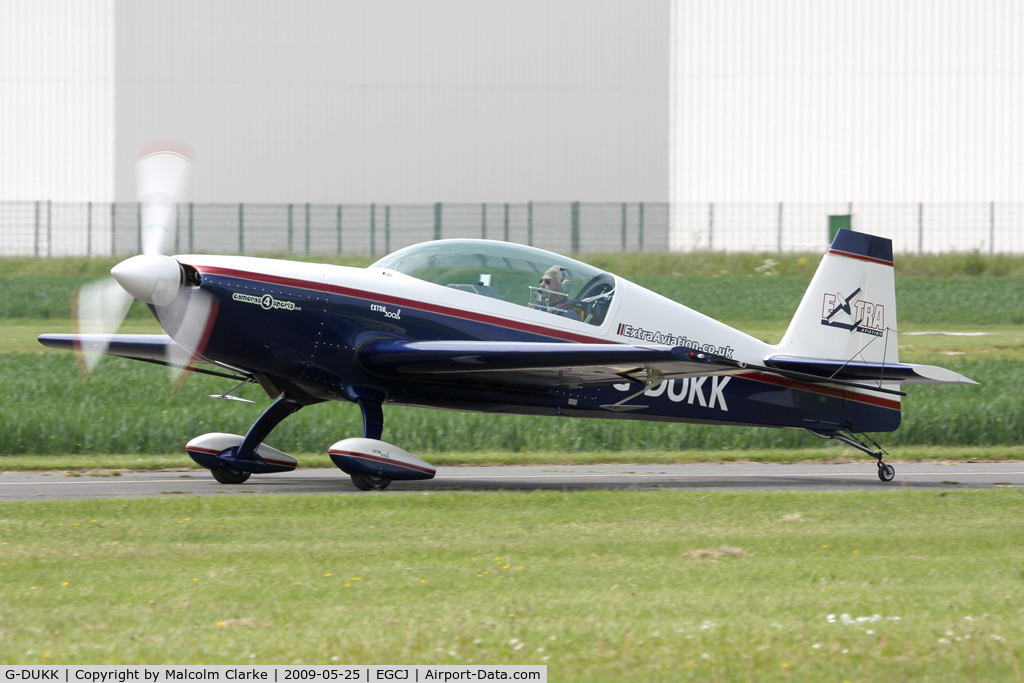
x=733 y=299
x=921 y=300
x=947 y=289
x=127 y=407
x=628 y=264
x=607 y=583
x=107 y=464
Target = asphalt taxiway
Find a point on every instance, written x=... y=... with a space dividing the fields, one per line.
x=743 y=476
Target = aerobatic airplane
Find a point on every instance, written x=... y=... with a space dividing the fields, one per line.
x=489 y=326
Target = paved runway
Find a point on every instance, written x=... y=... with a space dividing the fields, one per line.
x=802 y=477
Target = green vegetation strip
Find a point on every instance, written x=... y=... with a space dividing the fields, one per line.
x=128 y=407
x=610 y=586
x=953 y=289
x=100 y=464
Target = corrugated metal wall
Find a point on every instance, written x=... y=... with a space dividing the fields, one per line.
x=837 y=101
x=57 y=100
x=400 y=102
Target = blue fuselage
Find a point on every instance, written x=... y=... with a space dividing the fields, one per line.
x=303 y=335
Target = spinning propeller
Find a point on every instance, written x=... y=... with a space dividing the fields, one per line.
x=162 y=175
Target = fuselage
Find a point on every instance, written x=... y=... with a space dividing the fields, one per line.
x=299 y=324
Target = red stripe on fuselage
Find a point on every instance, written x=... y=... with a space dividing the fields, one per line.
x=396 y=463
x=210 y=451
x=526 y=327
x=827 y=391
x=405 y=303
x=860 y=257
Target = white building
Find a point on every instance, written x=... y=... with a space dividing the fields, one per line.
x=323 y=101
x=832 y=101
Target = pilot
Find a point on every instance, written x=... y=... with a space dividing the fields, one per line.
x=556 y=284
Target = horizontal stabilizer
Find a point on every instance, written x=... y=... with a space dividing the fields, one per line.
x=860 y=371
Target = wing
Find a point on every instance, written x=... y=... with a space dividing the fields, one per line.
x=566 y=366
x=534 y=365
x=153 y=347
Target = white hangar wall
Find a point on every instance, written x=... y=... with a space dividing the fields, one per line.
x=911 y=104
x=400 y=102
x=57 y=100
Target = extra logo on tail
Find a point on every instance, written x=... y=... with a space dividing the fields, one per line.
x=858 y=314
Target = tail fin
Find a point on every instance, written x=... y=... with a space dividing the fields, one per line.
x=848 y=312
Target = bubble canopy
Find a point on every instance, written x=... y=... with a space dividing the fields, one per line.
x=510 y=272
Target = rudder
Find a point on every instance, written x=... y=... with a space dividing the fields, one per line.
x=849 y=310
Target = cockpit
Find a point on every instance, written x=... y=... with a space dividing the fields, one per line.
x=510 y=272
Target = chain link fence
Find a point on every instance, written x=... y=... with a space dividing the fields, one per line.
x=50 y=229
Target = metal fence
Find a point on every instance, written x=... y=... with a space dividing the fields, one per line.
x=49 y=229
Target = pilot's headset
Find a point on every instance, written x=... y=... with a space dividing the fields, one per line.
x=566 y=283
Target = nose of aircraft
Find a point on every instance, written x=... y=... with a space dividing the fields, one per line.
x=152 y=278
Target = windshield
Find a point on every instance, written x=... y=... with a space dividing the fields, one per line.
x=510 y=272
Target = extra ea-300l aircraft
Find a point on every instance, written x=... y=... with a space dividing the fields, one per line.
x=489 y=326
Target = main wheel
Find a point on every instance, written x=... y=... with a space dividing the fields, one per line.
x=886 y=472
x=229 y=475
x=364 y=482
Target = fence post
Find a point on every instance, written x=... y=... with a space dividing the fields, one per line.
x=641 y=237
x=483 y=221
x=191 y=232
x=241 y=228
x=920 y=227
x=88 y=238
x=991 y=228
x=113 y=231
x=778 y=245
x=437 y=221
x=575 y=236
x=339 y=229
x=37 y=230
x=506 y=221
x=291 y=227
x=373 y=229
x=711 y=226
x=307 y=227
x=387 y=229
x=529 y=223
x=49 y=228
x=623 y=226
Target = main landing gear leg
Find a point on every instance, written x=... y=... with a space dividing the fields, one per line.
x=886 y=472
x=373 y=427
x=271 y=417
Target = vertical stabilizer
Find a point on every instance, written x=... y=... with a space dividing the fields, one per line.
x=849 y=310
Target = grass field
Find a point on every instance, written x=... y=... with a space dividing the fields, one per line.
x=597 y=585
x=710 y=585
x=125 y=407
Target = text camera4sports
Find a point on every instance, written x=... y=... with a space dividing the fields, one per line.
x=488 y=326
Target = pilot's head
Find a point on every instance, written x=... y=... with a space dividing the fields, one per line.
x=556 y=280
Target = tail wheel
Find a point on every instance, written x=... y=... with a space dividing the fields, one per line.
x=886 y=472
x=364 y=482
x=229 y=475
